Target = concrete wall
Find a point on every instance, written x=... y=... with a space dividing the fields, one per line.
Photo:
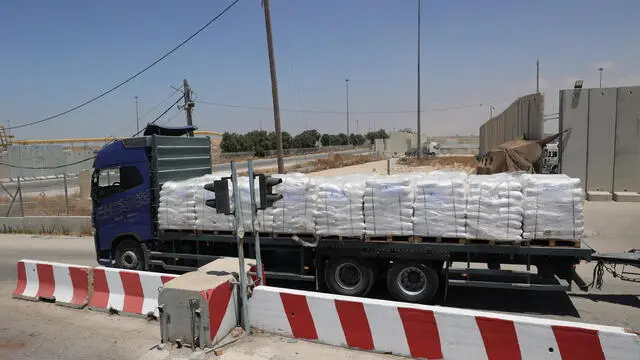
x=524 y=117
x=399 y=143
x=602 y=145
x=37 y=156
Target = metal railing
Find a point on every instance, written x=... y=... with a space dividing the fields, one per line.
x=53 y=196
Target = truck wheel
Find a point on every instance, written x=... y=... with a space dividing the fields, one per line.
x=349 y=276
x=555 y=169
x=129 y=255
x=412 y=282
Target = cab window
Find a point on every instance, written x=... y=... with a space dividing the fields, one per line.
x=111 y=181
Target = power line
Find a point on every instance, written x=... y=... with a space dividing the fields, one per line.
x=175 y=91
x=93 y=157
x=131 y=77
x=309 y=111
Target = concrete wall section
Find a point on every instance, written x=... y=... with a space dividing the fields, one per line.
x=627 y=145
x=574 y=114
x=524 y=117
x=600 y=145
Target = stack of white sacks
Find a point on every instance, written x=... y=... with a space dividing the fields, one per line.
x=553 y=207
x=176 y=208
x=339 y=206
x=295 y=212
x=495 y=207
x=388 y=206
x=440 y=202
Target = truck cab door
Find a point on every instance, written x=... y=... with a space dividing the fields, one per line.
x=121 y=206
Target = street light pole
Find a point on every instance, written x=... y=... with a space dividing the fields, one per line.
x=347 y=84
x=419 y=98
x=600 y=69
x=137 y=117
x=537 y=76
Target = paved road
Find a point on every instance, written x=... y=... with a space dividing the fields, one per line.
x=36 y=330
x=288 y=161
x=51 y=186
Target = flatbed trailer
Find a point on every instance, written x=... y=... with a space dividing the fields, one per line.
x=129 y=173
x=291 y=258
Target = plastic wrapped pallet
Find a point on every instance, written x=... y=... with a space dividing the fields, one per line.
x=440 y=204
x=339 y=206
x=176 y=206
x=294 y=213
x=388 y=206
x=554 y=207
x=495 y=207
x=207 y=218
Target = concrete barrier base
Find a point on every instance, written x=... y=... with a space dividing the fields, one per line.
x=201 y=307
x=624 y=196
x=598 y=196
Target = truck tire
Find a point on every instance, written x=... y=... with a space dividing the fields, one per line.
x=555 y=169
x=129 y=255
x=349 y=276
x=412 y=282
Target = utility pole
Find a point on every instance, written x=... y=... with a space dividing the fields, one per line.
x=357 y=126
x=274 y=86
x=491 y=107
x=600 y=69
x=188 y=104
x=418 y=90
x=137 y=117
x=537 y=76
x=347 y=83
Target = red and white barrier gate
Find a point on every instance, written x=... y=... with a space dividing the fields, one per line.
x=127 y=291
x=432 y=332
x=64 y=284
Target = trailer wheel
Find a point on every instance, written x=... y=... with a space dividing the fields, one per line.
x=412 y=282
x=349 y=276
x=129 y=255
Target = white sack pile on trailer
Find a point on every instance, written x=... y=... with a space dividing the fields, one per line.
x=554 y=207
x=440 y=204
x=388 y=205
x=176 y=207
x=339 y=206
x=206 y=217
x=495 y=207
x=295 y=212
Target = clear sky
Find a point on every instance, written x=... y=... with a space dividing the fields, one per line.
x=56 y=54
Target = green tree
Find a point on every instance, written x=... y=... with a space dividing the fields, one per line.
x=233 y=142
x=306 y=139
x=343 y=139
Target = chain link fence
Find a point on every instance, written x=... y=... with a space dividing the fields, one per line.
x=44 y=179
x=46 y=196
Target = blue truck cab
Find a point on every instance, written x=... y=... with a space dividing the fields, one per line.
x=125 y=190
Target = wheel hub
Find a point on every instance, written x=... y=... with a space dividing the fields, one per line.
x=130 y=259
x=348 y=276
x=412 y=281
